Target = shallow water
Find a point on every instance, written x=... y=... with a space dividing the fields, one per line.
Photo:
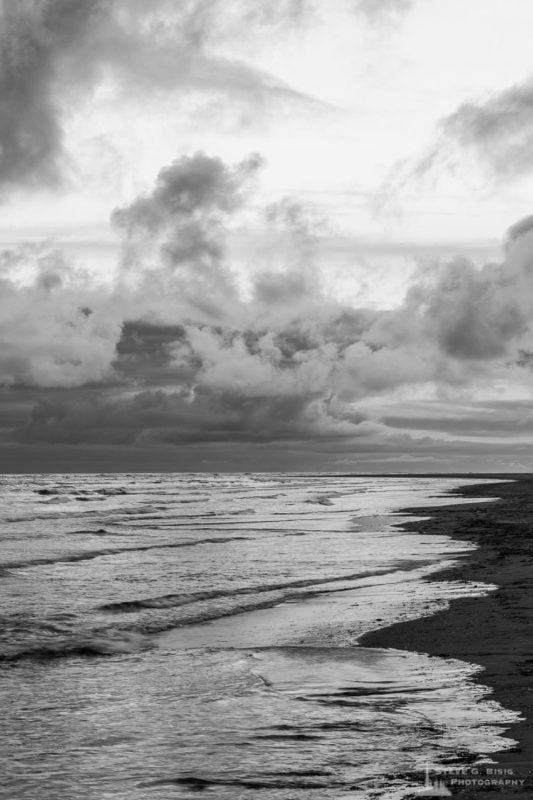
x=170 y=634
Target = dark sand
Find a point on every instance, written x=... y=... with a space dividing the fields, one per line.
x=495 y=631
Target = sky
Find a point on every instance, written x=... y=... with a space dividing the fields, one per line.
x=280 y=235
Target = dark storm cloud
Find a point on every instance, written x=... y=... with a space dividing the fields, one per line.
x=174 y=418
x=143 y=353
x=477 y=419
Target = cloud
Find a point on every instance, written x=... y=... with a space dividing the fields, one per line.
x=475 y=314
x=382 y=10
x=34 y=35
x=53 y=52
x=168 y=46
x=272 y=13
x=180 y=229
x=520 y=229
x=58 y=330
x=216 y=17
x=172 y=418
x=178 y=352
x=190 y=186
x=499 y=130
x=143 y=353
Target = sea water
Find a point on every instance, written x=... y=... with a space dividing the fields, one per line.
x=167 y=635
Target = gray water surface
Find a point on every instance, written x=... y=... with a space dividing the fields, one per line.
x=170 y=635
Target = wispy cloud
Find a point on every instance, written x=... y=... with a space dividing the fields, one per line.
x=383 y=10
x=34 y=37
x=53 y=52
x=497 y=132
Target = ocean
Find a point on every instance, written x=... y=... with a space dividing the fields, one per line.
x=170 y=635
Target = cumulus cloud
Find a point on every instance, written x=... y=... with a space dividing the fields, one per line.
x=189 y=187
x=58 y=330
x=475 y=314
x=179 y=353
x=180 y=229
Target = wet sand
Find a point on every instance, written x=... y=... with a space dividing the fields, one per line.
x=495 y=631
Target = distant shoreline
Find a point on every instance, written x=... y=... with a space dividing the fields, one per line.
x=495 y=631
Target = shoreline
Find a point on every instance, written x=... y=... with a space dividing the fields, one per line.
x=494 y=631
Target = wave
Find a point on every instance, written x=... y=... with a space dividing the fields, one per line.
x=70 y=514
x=89 y=555
x=120 y=640
x=302 y=779
x=313 y=513
x=84 y=499
x=266 y=496
x=111 y=644
x=177 y=600
x=106 y=491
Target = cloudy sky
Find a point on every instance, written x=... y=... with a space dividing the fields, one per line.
x=280 y=234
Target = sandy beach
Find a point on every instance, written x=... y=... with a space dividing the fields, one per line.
x=494 y=631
